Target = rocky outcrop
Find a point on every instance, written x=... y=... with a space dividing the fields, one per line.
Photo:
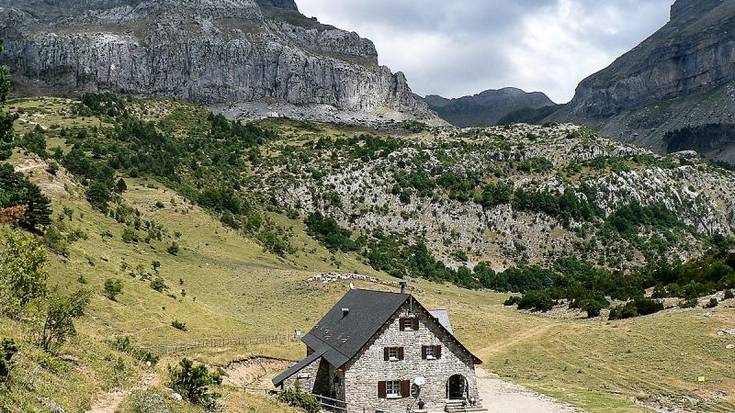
x=486 y=108
x=435 y=189
x=678 y=78
x=223 y=53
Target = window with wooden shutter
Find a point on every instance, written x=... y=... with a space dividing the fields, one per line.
x=415 y=323
x=393 y=389
x=382 y=394
x=393 y=353
x=406 y=388
x=408 y=323
x=431 y=352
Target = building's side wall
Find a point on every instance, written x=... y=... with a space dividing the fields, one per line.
x=306 y=377
x=369 y=367
x=330 y=382
x=320 y=378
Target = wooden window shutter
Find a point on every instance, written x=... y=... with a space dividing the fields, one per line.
x=438 y=352
x=406 y=388
x=400 y=353
x=415 y=321
x=423 y=352
x=385 y=354
x=381 y=390
x=400 y=324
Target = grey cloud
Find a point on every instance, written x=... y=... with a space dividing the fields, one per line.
x=456 y=47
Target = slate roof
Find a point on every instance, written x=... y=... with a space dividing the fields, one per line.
x=344 y=335
x=297 y=367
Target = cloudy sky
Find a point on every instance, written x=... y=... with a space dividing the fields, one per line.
x=460 y=47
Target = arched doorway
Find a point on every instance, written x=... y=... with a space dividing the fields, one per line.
x=457 y=387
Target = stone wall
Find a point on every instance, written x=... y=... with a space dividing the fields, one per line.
x=369 y=367
x=306 y=377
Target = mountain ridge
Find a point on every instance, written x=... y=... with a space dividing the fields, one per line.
x=486 y=108
x=680 y=77
x=212 y=52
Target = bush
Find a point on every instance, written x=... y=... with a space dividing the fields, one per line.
x=22 y=274
x=121 y=186
x=328 y=232
x=58 y=323
x=193 y=382
x=495 y=194
x=689 y=303
x=647 y=306
x=124 y=345
x=35 y=142
x=112 y=288
x=729 y=295
x=173 y=249
x=179 y=325
x=16 y=190
x=593 y=306
x=712 y=303
x=159 y=284
x=536 y=300
x=98 y=195
x=512 y=300
x=297 y=398
x=8 y=349
x=638 y=307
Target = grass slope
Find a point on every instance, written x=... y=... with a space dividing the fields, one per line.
x=242 y=291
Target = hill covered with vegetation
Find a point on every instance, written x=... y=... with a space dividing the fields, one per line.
x=158 y=223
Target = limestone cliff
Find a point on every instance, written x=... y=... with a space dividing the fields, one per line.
x=680 y=77
x=224 y=53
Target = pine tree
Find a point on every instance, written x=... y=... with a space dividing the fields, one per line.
x=6 y=118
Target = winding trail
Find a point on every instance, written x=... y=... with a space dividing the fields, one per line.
x=109 y=402
x=500 y=396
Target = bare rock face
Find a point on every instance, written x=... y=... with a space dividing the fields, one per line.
x=677 y=78
x=213 y=52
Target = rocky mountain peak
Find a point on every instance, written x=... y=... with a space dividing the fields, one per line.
x=244 y=57
x=488 y=107
x=690 y=9
x=680 y=77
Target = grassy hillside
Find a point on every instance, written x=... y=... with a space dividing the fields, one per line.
x=235 y=288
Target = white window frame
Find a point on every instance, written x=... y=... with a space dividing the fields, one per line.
x=393 y=354
x=430 y=353
x=393 y=389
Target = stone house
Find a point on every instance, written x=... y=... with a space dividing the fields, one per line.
x=383 y=352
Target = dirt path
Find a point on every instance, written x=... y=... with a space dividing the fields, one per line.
x=109 y=402
x=499 y=396
x=513 y=340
